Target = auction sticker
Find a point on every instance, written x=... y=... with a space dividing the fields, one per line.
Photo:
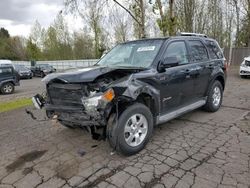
x=146 y=48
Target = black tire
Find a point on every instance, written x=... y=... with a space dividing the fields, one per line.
x=213 y=105
x=117 y=137
x=7 y=88
x=67 y=124
x=242 y=76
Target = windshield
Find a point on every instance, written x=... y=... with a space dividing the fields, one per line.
x=21 y=68
x=46 y=66
x=132 y=54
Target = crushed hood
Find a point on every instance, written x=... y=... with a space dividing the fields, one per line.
x=88 y=74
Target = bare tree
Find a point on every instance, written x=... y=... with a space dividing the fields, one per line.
x=137 y=13
x=91 y=12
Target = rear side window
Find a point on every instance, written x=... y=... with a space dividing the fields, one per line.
x=5 y=71
x=214 y=50
x=198 y=52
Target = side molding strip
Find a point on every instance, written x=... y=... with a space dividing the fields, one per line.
x=166 y=117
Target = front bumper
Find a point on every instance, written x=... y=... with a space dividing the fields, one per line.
x=77 y=115
x=244 y=71
x=25 y=75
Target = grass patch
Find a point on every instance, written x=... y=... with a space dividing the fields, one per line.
x=11 y=105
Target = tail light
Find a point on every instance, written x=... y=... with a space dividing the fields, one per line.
x=226 y=65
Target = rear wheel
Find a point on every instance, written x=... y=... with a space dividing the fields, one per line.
x=215 y=95
x=242 y=76
x=7 y=88
x=134 y=128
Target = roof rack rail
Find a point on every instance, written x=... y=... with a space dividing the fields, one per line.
x=191 y=34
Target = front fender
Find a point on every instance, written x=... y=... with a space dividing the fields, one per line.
x=133 y=88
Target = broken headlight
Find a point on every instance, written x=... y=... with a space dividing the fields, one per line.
x=98 y=100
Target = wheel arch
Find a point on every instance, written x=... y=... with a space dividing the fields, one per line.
x=7 y=81
x=149 y=101
x=221 y=79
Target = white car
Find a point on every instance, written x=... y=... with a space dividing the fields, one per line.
x=245 y=67
x=5 y=62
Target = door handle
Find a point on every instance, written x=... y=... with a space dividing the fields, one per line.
x=187 y=71
x=210 y=66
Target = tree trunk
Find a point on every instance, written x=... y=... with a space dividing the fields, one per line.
x=142 y=25
x=172 y=18
x=163 y=26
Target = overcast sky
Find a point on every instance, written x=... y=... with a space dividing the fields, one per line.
x=18 y=16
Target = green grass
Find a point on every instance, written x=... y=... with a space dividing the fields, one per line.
x=11 y=105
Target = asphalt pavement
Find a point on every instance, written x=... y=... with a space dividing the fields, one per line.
x=199 y=149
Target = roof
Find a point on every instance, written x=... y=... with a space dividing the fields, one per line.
x=5 y=62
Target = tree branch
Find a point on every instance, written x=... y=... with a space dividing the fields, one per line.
x=129 y=12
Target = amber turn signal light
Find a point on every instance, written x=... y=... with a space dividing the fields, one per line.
x=109 y=95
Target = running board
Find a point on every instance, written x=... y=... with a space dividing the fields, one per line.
x=171 y=115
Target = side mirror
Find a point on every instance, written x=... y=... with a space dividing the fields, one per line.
x=168 y=62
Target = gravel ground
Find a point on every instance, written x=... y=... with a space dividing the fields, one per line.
x=199 y=149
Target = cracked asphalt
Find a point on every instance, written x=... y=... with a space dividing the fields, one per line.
x=199 y=149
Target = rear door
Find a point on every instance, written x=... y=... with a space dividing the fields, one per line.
x=200 y=61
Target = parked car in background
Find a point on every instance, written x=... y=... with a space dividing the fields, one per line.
x=137 y=85
x=245 y=68
x=23 y=71
x=5 y=62
x=8 y=79
x=42 y=70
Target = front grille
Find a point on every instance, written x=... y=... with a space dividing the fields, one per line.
x=247 y=63
x=66 y=94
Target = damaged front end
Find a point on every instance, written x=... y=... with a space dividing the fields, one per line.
x=80 y=103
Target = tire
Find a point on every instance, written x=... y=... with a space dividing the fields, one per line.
x=7 y=88
x=42 y=74
x=126 y=135
x=242 y=76
x=214 y=97
x=67 y=124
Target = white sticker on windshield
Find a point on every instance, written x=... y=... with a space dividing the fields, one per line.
x=146 y=48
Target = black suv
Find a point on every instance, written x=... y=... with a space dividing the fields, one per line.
x=42 y=70
x=9 y=78
x=137 y=85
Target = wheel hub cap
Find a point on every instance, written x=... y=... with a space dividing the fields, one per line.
x=216 y=96
x=135 y=130
x=7 y=89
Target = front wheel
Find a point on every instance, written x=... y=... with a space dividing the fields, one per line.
x=7 y=88
x=214 y=98
x=134 y=128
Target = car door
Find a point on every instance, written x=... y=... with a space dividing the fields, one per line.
x=177 y=85
x=199 y=58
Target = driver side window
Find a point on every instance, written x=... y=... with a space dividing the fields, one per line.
x=177 y=50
